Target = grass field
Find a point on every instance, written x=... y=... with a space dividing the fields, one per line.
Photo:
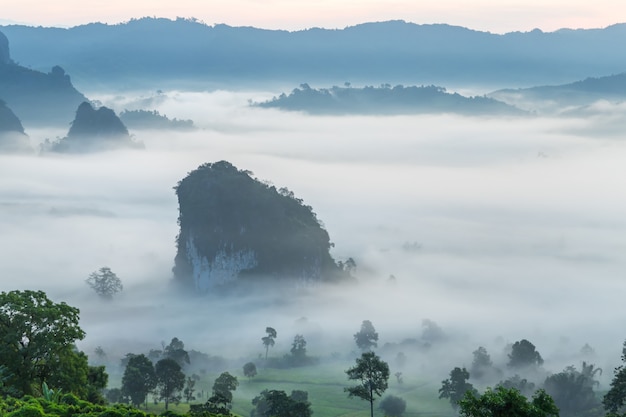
x=325 y=385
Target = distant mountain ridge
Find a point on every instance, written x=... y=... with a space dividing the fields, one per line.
x=578 y=93
x=148 y=52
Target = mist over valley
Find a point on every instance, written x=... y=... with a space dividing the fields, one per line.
x=458 y=228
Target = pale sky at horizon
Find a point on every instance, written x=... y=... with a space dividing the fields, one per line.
x=497 y=16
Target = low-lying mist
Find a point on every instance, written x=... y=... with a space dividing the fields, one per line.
x=495 y=229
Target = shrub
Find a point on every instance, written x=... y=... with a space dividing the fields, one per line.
x=393 y=406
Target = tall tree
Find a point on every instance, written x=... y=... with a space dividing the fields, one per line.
x=170 y=380
x=176 y=350
x=481 y=364
x=105 y=283
x=507 y=402
x=615 y=398
x=139 y=379
x=372 y=374
x=572 y=392
x=38 y=338
x=455 y=387
x=366 y=338
x=523 y=355
x=223 y=388
x=298 y=350
x=190 y=384
x=269 y=339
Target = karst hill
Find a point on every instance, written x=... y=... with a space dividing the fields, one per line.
x=94 y=130
x=236 y=231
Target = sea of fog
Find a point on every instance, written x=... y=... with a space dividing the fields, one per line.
x=497 y=229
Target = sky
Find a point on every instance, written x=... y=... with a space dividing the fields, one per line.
x=496 y=16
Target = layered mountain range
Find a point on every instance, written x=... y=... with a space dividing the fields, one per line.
x=186 y=53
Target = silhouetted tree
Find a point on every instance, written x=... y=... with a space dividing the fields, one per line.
x=455 y=387
x=275 y=403
x=298 y=350
x=269 y=339
x=482 y=364
x=170 y=380
x=139 y=379
x=366 y=338
x=189 y=390
x=392 y=406
x=431 y=332
x=372 y=373
x=176 y=350
x=105 y=283
x=523 y=354
x=518 y=383
x=249 y=370
x=572 y=392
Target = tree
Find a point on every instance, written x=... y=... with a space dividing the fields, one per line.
x=455 y=387
x=190 y=384
x=223 y=388
x=393 y=406
x=139 y=379
x=525 y=387
x=170 y=380
x=38 y=338
x=432 y=332
x=97 y=380
x=523 y=355
x=298 y=350
x=572 y=391
x=614 y=399
x=176 y=350
x=275 y=403
x=249 y=370
x=373 y=376
x=105 y=283
x=114 y=395
x=507 y=402
x=367 y=337
x=269 y=339
x=482 y=363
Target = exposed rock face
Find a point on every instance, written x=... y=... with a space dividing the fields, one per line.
x=12 y=136
x=235 y=229
x=94 y=130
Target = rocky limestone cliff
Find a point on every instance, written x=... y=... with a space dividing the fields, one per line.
x=236 y=230
x=12 y=136
x=93 y=130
